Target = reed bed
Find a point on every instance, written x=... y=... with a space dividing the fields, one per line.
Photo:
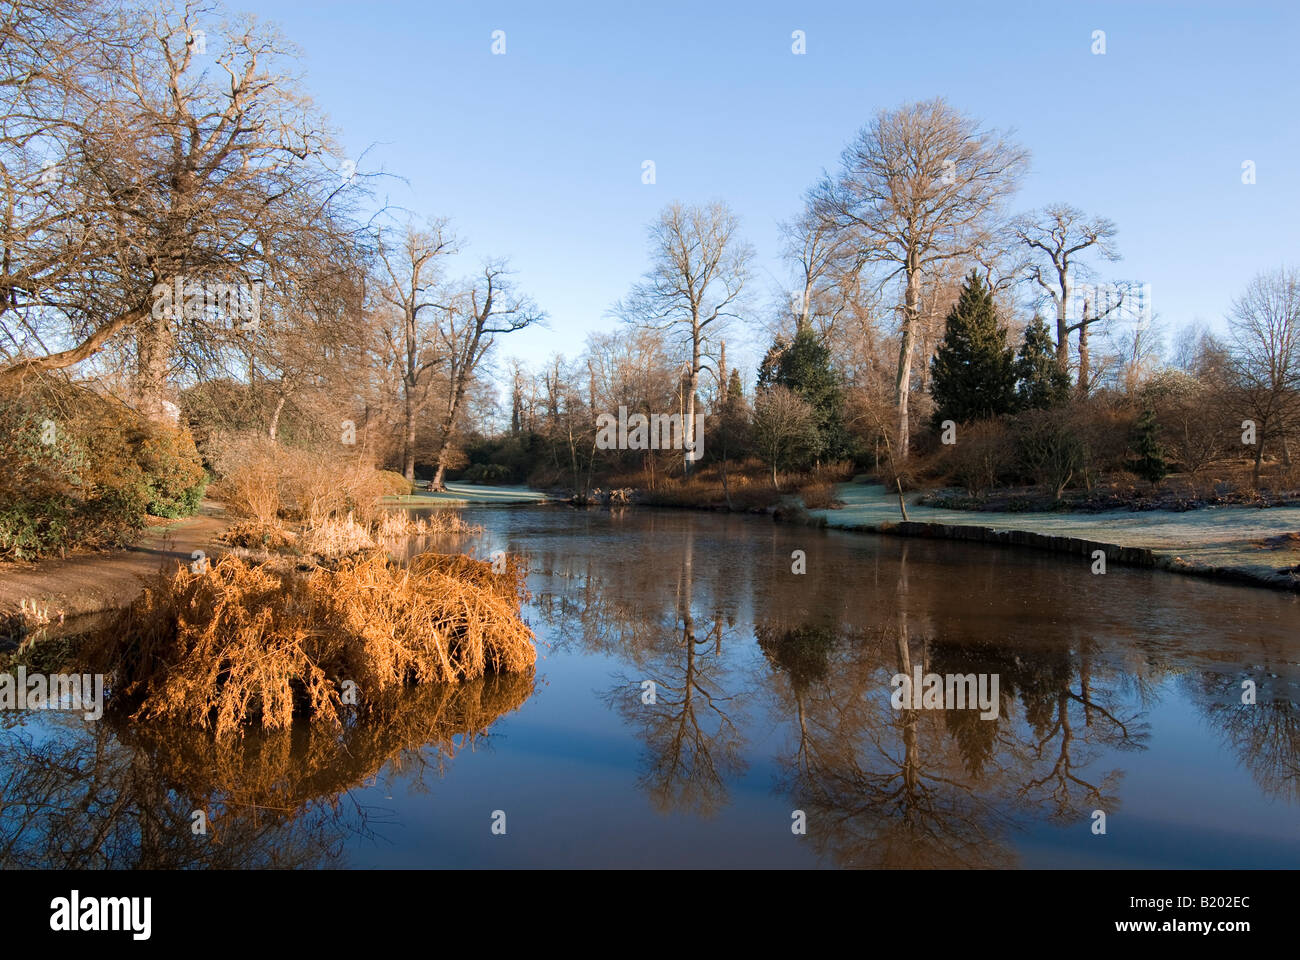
x=260 y=643
x=252 y=533
x=396 y=524
x=336 y=537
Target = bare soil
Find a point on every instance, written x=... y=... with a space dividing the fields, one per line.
x=93 y=582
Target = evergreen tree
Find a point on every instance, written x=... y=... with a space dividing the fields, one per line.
x=1041 y=383
x=804 y=366
x=730 y=428
x=1150 y=463
x=734 y=387
x=972 y=376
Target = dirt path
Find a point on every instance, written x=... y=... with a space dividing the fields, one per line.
x=98 y=581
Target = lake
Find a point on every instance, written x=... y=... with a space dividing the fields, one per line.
x=696 y=703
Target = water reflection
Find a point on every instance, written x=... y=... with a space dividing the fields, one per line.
x=771 y=694
x=1264 y=734
x=125 y=796
x=883 y=787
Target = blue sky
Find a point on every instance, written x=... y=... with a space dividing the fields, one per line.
x=536 y=155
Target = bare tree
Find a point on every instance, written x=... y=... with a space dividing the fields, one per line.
x=699 y=267
x=468 y=328
x=181 y=165
x=822 y=267
x=1265 y=354
x=409 y=288
x=1059 y=237
x=784 y=428
x=918 y=186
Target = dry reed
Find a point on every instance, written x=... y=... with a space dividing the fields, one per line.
x=262 y=643
x=398 y=524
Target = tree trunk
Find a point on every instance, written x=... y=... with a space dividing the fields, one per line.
x=1063 y=326
x=444 y=444
x=902 y=385
x=1084 y=367
x=408 y=466
x=275 y=418
x=1084 y=360
x=688 y=428
x=154 y=345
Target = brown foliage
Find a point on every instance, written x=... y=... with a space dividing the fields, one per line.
x=253 y=534
x=983 y=454
x=243 y=642
x=267 y=480
x=819 y=495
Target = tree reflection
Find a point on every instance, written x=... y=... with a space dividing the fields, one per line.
x=938 y=788
x=1264 y=735
x=122 y=796
x=691 y=729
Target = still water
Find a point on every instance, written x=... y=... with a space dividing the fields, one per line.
x=770 y=707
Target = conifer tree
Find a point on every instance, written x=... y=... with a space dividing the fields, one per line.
x=803 y=364
x=1041 y=382
x=1150 y=462
x=972 y=375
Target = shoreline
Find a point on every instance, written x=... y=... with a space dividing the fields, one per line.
x=1227 y=543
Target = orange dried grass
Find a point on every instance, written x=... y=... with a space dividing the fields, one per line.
x=398 y=524
x=245 y=642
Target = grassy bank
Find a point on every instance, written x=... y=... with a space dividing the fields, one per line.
x=1244 y=543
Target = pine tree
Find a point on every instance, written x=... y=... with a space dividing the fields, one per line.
x=803 y=364
x=972 y=376
x=1150 y=463
x=730 y=428
x=1041 y=382
x=734 y=387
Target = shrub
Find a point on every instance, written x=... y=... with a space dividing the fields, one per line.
x=71 y=477
x=174 y=477
x=486 y=473
x=820 y=495
x=1149 y=460
x=263 y=479
x=252 y=534
x=983 y=454
x=1050 y=449
x=395 y=485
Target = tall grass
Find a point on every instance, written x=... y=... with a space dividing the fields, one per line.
x=265 y=480
x=262 y=643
